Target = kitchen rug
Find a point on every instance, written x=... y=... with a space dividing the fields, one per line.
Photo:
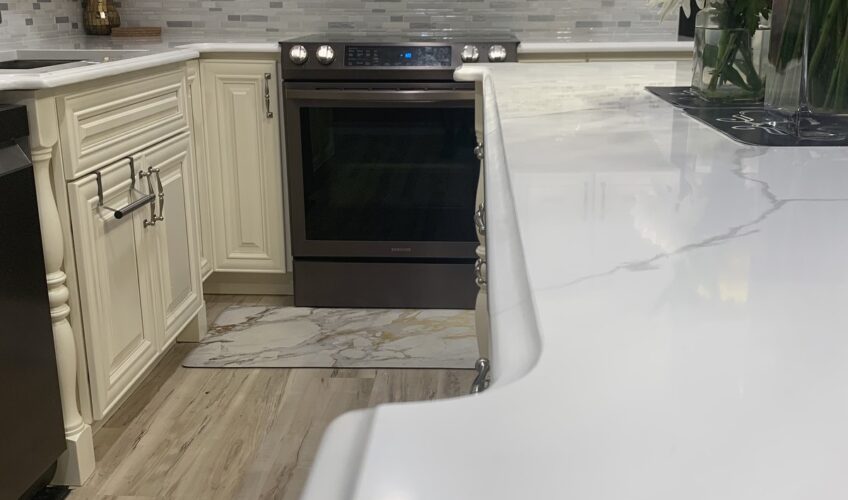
x=305 y=337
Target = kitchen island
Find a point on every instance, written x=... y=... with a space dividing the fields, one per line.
x=667 y=312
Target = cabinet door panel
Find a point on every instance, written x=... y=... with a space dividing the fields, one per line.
x=244 y=166
x=176 y=270
x=108 y=121
x=201 y=170
x=116 y=304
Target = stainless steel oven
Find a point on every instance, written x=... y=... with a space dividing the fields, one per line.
x=382 y=177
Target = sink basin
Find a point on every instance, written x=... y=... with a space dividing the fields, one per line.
x=33 y=63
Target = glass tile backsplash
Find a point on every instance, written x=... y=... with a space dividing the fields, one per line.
x=529 y=19
x=39 y=19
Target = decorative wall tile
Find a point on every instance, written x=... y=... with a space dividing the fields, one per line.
x=529 y=19
x=38 y=19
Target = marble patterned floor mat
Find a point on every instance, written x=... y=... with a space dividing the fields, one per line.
x=303 y=337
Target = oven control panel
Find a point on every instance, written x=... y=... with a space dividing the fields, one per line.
x=398 y=56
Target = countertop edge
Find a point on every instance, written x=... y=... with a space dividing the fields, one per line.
x=87 y=73
x=235 y=47
x=604 y=47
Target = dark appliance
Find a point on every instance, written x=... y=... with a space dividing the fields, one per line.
x=382 y=172
x=32 y=412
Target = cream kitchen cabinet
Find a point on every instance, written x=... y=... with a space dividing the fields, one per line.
x=138 y=275
x=201 y=178
x=244 y=166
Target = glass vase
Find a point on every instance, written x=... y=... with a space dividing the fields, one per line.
x=808 y=60
x=728 y=61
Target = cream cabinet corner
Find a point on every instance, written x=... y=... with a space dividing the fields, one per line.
x=243 y=164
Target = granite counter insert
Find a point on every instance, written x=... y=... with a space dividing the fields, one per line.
x=750 y=123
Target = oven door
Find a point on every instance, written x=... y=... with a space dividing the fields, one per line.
x=381 y=170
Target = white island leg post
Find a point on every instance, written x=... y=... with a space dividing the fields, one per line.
x=77 y=463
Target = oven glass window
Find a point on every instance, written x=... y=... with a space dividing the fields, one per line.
x=389 y=174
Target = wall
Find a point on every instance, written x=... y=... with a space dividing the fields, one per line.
x=530 y=19
x=37 y=19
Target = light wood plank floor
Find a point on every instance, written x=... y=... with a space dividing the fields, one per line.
x=238 y=433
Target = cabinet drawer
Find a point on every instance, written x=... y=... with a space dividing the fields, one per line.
x=107 y=122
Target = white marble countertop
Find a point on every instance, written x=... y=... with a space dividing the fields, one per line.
x=123 y=55
x=620 y=43
x=671 y=46
x=668 y=312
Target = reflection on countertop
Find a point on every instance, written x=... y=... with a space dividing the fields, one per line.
x=688 y=292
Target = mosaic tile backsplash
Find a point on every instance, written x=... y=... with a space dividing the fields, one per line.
x=530 y=19
x=37 y=19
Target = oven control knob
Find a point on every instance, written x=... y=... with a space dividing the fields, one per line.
x=325 y=54
x=470 y=53
x=298 y=54
x=497 y=53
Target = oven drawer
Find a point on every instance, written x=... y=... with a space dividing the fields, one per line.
x=104 y=123
x=445 y=284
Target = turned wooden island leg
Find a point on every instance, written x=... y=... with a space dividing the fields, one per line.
x=77 y=463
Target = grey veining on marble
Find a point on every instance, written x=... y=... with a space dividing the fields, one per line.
x=289 y=337
x=689 y=292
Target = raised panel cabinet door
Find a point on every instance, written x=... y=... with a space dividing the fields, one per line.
x=201 y=174
x=175 y=264
x=115 y=290
x=244 y=162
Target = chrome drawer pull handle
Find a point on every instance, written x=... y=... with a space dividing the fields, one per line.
x=153 y=218
x=480 y=219
x=161 y=196
x=479 y=273
x=481 y=381
x=268 y=112
x=479 y=151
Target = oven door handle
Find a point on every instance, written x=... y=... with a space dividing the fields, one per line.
x=381 y=95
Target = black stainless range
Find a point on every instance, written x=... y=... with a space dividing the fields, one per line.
x=381 y=168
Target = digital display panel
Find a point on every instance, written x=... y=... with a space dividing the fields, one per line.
x=393 y=56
